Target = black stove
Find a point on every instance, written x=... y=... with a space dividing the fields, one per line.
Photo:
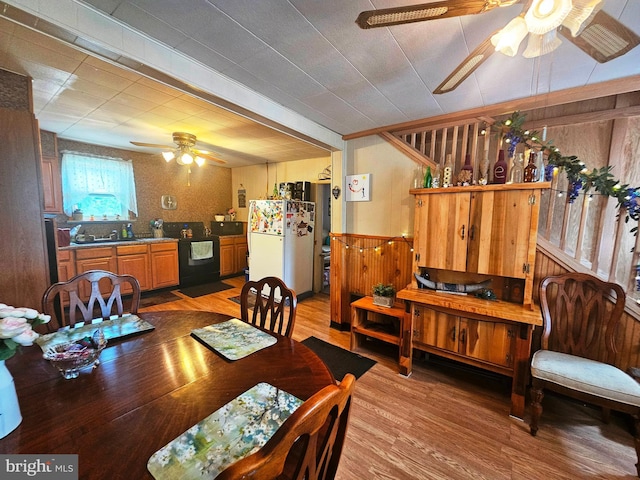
x=198 y=252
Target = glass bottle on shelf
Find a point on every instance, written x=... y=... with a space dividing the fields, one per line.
x=435 y=177
x=428 y=179
x=447 y=172
x=516 y=175
x=418 y=178
x=540 y=165
x=500 y=169
x=531 y=170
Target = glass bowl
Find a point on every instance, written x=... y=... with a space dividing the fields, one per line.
x=70 y=357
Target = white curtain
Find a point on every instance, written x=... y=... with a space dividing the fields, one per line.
x=85 y=174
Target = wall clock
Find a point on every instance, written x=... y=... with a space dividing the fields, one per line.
x=169 y=202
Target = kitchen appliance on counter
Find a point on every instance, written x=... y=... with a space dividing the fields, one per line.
x=198 y=252
x=280 y=238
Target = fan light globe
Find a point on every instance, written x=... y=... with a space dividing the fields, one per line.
x=507 y=40
x=541 y=44
x=581 y=11
x=546 y=15
x=200 y=161
x=168 y=156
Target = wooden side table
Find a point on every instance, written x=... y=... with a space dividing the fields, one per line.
x=362 y=326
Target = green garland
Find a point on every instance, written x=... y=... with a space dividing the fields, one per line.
x=578 y=176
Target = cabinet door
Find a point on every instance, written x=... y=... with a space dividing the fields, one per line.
x=442 y=221
x=241 y=256
x=500 y=233
x=102 y=263
x=51 y=184
x=227 y=260
x=435 y=329
x=491 y=342
x=138 y=266
x=164 y=267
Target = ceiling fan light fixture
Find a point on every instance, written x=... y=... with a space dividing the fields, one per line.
x=507 y=40
x=168 y=156
x=538 y=45
x=546 y=15
x=200 y=161
x=185 y=158
x=582 y=10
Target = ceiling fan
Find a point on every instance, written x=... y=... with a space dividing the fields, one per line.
x=184 y=151
x=582 y=22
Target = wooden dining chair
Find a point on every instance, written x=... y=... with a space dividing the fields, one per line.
x=308 y=445
x=274 y=305
x=578 y=349
x=94 y=286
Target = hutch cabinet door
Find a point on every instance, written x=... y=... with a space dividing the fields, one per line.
x=435 y=329
x=492 y=342
x=500 y=232
x=441 y=230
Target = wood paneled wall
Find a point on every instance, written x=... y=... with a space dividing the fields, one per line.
x=358 y=262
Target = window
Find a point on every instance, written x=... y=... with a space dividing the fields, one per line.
x=100 y=186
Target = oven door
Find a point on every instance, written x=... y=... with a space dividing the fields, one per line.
x=199 y=261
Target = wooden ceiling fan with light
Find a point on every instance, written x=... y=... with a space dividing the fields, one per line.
x=582 y=22
x=184 y=150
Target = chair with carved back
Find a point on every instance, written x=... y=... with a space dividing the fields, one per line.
x=308 y=445
x=274 y=305
x=95 y=286
x=581 y=314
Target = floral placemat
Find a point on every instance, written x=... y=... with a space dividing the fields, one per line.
x=115 y=327
x=236 y=430
x=234 y=338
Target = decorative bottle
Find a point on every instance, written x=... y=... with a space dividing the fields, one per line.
x=466 y=172
x=428 y=179
x=447 y=172
x=516 y=175
x=123 y=231
x=500 y=169
x=531 y=171
x=435 y=180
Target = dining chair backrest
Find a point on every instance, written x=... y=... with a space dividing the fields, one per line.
x=580 y=315
x=308 y=445
x=268 y=303
x=92 y=286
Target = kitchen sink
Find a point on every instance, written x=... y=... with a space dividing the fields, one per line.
x=105 y=240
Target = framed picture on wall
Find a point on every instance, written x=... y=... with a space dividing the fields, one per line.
x=358 y=187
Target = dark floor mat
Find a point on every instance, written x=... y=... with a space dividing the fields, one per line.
x=205 y=289
x=339 y=360
x=157 y=298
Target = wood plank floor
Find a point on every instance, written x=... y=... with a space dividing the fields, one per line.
x=449 y=422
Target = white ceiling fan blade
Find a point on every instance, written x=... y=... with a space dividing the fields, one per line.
x=467 y=67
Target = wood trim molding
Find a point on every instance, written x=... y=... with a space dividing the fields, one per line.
x=598 y=90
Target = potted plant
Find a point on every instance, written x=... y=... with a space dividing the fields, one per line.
x=384 y=294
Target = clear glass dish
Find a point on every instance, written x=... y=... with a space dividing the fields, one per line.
x=70 y=357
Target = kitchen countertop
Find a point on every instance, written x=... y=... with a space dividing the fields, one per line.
x=76 y=246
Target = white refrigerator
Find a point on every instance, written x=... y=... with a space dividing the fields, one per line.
x=280 y=241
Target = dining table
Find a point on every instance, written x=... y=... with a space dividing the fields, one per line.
x=148 y=389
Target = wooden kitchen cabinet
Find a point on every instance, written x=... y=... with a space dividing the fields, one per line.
x=164 y=265
x=50 y=166
x=134 y=260
x=233 y=255
x=98 y=258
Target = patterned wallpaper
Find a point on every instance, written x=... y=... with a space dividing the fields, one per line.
x=209 y=193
